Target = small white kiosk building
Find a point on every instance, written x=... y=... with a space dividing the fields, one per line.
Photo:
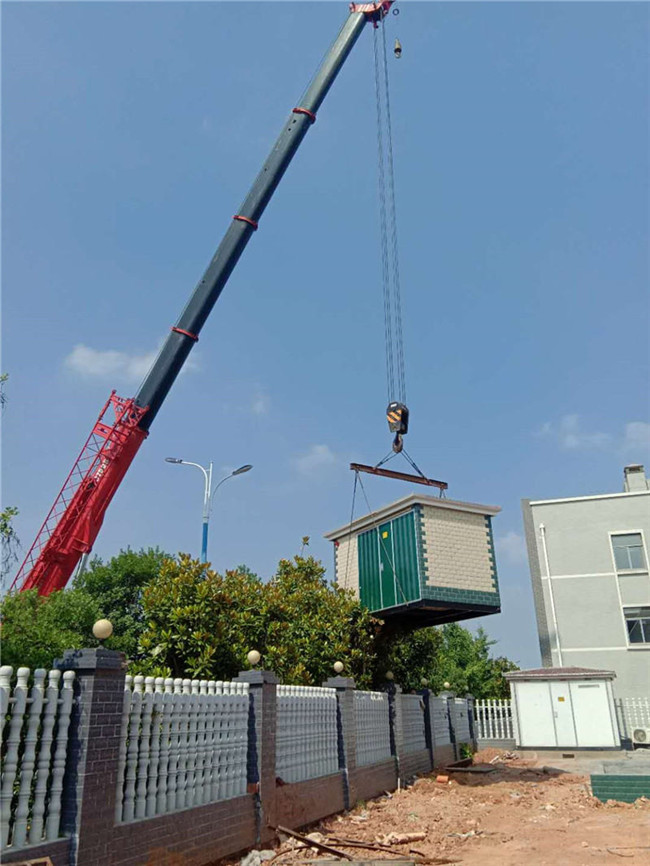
x=564 y=708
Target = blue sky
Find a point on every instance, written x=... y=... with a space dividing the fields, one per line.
x=131 y=133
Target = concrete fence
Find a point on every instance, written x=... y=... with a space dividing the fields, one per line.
x=494 y=720
x=102 y=769
x=182 y=743
x=36 y=720
x=305 y=746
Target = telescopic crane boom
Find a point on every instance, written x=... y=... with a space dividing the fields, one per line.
x=75 y=519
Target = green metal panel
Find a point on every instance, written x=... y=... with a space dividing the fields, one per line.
x=389 y=571
x=386 y=562
x=368 y=553
x=405 y=558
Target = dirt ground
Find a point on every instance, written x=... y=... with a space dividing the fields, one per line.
x=516 y=814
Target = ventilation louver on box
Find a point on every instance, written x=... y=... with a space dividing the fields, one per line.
x=641 y=736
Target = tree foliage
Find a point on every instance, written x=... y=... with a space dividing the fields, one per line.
x=466 y=664
x=37 y=629
x=8 y=538
x=203 y=624
x=116 y=586
x=177 y=617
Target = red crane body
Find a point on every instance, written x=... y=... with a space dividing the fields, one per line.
x=74 y=521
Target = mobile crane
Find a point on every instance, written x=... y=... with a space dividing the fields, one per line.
x=74 y=521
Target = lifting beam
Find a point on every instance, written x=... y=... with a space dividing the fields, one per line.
x=400 y=476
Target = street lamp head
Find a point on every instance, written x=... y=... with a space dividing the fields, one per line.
x=245 y=468
x=173 y=460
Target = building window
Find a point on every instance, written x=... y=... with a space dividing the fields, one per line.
x=628 y=551
x=637 y=620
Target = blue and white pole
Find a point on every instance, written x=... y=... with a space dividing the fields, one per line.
x=208 y=495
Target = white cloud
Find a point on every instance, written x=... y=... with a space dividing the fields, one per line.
x=636 y=437
x=261 y=403
x=570 y=436
x=315 y=460
x=112 y=364
x=511 y=547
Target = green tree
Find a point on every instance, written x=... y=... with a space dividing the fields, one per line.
x=412 y=656
x=116 y=587
x=465 y=663
x=8 y=538
x=37 y=629
x=202 y=624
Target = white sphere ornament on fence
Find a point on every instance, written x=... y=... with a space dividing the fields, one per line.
x=253 y=658
x=447 y=685
x=390 y=675
x=338 y=667
x=103 y=629
x=424 y=682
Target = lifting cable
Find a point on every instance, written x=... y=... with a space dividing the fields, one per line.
x=392 y=295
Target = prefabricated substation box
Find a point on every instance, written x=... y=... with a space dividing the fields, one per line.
x=421 y=559
x=564 y=708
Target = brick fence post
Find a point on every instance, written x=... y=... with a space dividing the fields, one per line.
x=90 y=782
x=394 y=693
x=449 y=697
x=425 y=694
x=262 y=720
x=471 y=717
x=347 y=735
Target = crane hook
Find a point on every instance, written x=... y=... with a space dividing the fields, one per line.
x=398 y=48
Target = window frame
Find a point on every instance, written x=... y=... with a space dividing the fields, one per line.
x=645 y=629
x=632 y=570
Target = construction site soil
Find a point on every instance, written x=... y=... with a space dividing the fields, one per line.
x=517 y=813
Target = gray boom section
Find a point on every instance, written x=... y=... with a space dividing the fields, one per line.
x=177 y=346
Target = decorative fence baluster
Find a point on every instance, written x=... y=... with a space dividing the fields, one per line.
x=28 y=763
x=132 y=751
x=145 y=739
x=218 y=786
x=11 y=756
x=211 y=716
x=173 y=796
x=5 y=691
x=154 y=747
x=165 y=737
x=44 y=757
x=53 y=823
x=121 y=761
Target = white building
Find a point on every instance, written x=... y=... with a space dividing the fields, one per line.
x=588 y=558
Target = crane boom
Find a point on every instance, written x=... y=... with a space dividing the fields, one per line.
x=75 y=519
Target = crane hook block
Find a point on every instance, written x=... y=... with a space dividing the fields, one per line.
x=397 y=415
x=398 y=48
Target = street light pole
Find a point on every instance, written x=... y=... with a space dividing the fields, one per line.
x=208 y=494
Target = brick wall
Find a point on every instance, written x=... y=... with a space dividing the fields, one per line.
x=305 y=802
x=457 y=551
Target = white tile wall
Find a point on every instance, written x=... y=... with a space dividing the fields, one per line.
x=456 y=544
x=347 y=564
